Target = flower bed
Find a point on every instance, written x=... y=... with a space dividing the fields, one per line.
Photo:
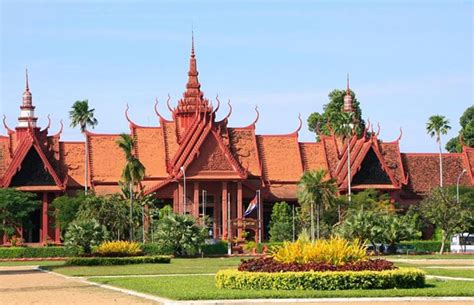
x=268 y=264
x=109 y=261
x=329 y=280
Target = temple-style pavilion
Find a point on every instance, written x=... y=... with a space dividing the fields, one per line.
x=192 y=158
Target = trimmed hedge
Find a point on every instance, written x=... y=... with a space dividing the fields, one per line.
x=219 y=248
x=109 y=261
x=330 y=280
x=426 y=246
x=36 y=252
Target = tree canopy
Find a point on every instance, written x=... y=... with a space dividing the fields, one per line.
x=281 y=222
x=15 y=209
x=331 y=115
x=466 y=133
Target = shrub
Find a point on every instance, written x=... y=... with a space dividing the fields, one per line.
x=281 y=223
x=179 y=234
x=85 y=234
x=109 y=261
x=335 y=251
x=268 y=264
x=118 y=248
x=426 y=246
x=36 y=252
x=400 y=278
x=218 y=248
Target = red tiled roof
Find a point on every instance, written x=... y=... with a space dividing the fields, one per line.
x=106 y=159
x=72 y=156
x=243 y=145
x=280 y=157
x=151 y=150
x=423 y=171
x=313 y=156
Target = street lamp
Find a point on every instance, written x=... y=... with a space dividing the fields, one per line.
x=184 y=189
x=349 y=109
x=457 y=184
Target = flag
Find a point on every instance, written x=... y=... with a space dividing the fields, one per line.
x=252 y=206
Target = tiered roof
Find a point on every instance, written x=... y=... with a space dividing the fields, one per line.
x=211 y=150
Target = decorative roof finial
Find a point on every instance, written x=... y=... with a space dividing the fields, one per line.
x=348 y=98
x=27 y=81
x=192 y=42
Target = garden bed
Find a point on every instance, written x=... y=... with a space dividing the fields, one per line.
x=328 y=280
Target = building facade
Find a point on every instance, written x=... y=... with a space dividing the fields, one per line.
x=191 y=158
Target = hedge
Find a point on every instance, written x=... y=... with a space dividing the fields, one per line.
x=109 y=261
x=331 y=280
x=36 y=252
x=426 y=246
x=219 y=248
x=152 y=249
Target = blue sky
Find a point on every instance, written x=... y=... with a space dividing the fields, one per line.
x=407 y=60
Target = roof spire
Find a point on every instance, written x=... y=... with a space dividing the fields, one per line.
x=27 y=115
x=192 y=43
x=27 y=83
x=348 y=98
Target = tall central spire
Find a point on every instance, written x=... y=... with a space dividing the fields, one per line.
x=193 y=97
x=27 y=110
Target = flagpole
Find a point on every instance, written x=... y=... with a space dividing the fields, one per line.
x=259 y=217
x=229 y=244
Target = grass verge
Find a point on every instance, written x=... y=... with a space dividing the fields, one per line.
x=176 y=266
x=202 y=287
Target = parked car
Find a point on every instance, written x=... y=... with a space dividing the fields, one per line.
x=462 y=243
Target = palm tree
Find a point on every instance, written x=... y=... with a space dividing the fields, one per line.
x=345 y=127
x=82 y=116
x=133 y=172
x=314 y=188
x=436 y=126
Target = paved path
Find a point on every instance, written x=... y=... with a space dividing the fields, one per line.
x=25 y=285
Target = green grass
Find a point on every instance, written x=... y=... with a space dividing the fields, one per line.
x=201 y=287
x=429 y=256
x=443 y=270
x=30 y=263
x=176 y=266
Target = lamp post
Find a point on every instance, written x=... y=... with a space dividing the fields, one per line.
x=259 y=216
x=184 y=189
x=457 y=184
x=349 y=109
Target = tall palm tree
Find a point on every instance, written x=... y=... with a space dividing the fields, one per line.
x=315 y=189
x=345 y=127
x=82 y=116
x=436 y=126
x=133 y=172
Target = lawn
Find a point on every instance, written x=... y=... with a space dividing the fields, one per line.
x=31 y=263
x=201 y=287
x=177 y=266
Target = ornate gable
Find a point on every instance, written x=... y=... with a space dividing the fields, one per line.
x=213 y=160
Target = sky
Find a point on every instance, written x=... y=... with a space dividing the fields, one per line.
x=407 y=60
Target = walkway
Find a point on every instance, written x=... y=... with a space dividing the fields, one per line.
x=25 y=285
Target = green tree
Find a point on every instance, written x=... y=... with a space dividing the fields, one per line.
x=15 y=209
x=133 y=172
x=362 y=224
x=111 y=211
x=179 y=234
x=83 y=235
x=466 y=133
x=331 y=115
x=65 y=209
x=436 y=126
x=281 y=222
x=396 y=228
x=316 y=189
x=441 y=209
x=82 y=116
